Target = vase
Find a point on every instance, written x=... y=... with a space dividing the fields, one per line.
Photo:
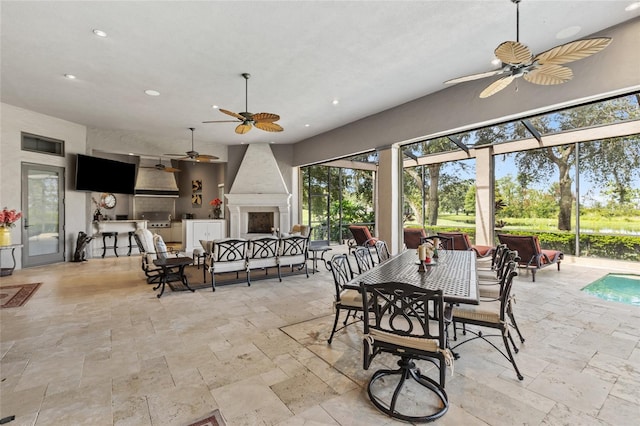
x=216 y=213
x=5 y=236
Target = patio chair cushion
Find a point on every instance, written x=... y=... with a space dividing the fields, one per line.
x=350 y=297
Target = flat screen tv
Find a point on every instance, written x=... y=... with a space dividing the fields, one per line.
x=103 y=175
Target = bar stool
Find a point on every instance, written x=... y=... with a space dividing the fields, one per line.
x=106 y=235
x=198 y=254
x=130 y=244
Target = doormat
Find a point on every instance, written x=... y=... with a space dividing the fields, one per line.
x=215 y=419
x=13 y=296
x=195 y=278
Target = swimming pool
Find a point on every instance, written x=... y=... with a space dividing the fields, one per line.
x=623 y=288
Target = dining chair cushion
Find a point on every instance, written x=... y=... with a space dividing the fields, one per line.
x=350 y=297
x=487 y=312
x=429 y=345
x=489 y=292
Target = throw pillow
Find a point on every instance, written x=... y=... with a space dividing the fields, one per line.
x=161 y=247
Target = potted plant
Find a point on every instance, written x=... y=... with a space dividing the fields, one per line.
x=8 y=219
x=217 y=210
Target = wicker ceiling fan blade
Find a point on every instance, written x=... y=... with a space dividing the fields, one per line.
x=549 y=74
x=243 y=128
x=572 y=51
x=497 y=86
x=513 y=53
x=233 y=114
x=206 y=158
x=269 y=127
x=172 y=170
x=265 y=117
x=475 y=76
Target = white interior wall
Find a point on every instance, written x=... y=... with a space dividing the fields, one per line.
x=15 y=120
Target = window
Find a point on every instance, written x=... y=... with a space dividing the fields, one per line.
x=41 y=144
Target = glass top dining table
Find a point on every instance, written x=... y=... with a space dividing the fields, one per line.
x=454 y=272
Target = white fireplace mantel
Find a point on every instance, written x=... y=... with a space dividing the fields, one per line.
x=240 y=205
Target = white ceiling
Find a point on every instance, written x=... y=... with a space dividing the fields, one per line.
x=369 y=55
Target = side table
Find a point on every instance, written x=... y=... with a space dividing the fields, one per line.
x=8 y=271
x=172 y=270
x=317 y=253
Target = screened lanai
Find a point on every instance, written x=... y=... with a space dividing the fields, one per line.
x=570 y=176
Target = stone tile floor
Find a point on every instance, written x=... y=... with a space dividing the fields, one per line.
x=94 y=346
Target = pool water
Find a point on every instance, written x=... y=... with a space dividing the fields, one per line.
x=623 y=288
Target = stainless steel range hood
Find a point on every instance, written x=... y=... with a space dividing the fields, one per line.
x=151 y=182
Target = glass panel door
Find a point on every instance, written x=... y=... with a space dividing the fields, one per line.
x=43 y=210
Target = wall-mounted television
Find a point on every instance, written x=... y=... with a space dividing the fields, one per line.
x=104 y=175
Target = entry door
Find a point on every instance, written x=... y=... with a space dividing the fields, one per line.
x=43 y=214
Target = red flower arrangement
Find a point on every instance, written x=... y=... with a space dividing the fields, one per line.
x=215 y=202
x=8 y=218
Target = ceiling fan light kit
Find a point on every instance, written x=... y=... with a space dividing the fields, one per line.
x=263 y=120
x=543 y=69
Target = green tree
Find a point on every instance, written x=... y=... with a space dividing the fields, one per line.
x=452 y=193
x=604 y=157
x=470 y=200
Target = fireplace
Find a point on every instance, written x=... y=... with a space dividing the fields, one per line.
x=260 y=222
x=258 y=192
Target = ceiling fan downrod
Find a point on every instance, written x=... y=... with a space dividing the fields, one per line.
x=517 y=20
x=246 y=76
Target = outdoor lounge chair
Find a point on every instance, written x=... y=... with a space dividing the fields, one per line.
x=531 y=255
x=412 y=237
x=361 y=237
x=461 y=241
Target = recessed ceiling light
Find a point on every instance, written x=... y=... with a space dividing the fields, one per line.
x=152 y=92
x=632 y=6
x=215 y=106
x=568 y=32
x=496 y=62
x=70 y=76
x=335 y=102
x=307 y=125
x=99 y=33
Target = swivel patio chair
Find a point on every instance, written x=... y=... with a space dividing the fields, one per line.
x=395 y=322
x=347 y=298
x=491 y=315
x=532 y=256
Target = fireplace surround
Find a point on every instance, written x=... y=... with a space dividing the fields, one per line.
x=258 y=188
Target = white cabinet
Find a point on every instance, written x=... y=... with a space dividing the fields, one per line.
x=196 y=230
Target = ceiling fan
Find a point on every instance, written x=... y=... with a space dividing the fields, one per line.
x=194 y=155
x=262 y=120
x=544 y=69
x=160 y=166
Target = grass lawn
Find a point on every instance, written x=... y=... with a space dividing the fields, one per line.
x=606 y=225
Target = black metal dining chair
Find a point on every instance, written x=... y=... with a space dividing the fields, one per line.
x=347 y=298
x=397 y=323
